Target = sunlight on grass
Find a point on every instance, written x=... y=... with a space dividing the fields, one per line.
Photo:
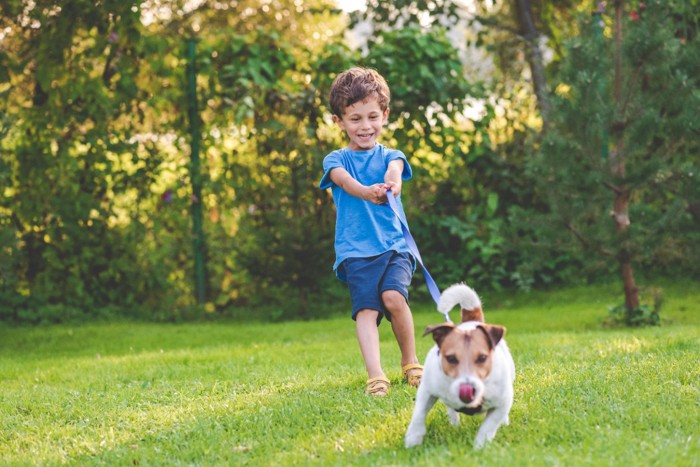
x=630 y=345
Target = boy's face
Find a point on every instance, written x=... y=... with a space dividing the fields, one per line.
x=363 y=122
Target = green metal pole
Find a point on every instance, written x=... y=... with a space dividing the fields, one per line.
x=599 y=25
x=195 y=175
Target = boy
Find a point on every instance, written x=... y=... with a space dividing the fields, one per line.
x=371 y=253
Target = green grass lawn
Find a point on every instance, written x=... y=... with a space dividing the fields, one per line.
x=291 y=393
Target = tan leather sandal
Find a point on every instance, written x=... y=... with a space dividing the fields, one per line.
x=413 y=373
x=378 y=386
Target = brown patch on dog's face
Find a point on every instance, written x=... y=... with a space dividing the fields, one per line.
x=466 y=352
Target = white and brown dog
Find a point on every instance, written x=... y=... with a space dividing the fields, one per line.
x=470 y=370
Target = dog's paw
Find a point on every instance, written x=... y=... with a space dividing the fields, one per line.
x=483 y=437
x=414 y=439
x=453 y=415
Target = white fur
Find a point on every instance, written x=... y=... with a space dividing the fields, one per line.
x=460 y=294
x=495 y=392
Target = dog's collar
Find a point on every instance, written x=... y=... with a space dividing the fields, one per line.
x=471 y=410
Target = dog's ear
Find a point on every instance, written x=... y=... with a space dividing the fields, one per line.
x=439 y=331
x=493 y=332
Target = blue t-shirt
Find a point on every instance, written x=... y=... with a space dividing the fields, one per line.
x=362 y=228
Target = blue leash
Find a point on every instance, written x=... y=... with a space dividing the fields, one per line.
x=432 y=286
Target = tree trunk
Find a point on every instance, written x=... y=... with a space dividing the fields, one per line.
x=528 y=31
x=620 y=212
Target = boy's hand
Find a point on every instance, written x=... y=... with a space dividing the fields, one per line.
x=395 y=188
x=375 y=193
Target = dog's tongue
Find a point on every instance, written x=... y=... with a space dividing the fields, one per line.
x=466 y=393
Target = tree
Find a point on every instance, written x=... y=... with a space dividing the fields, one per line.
x=623 y=124
x=517 y=29
x=528 y=31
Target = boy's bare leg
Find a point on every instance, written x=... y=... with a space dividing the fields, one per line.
x=402 y=325
x=368 y=338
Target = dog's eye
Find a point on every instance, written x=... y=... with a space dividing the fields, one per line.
x=481 y=358
x=451 y=359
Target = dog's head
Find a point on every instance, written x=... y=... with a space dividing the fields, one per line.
x=466 y=356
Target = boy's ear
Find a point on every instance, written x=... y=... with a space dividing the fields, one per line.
x=386 y=114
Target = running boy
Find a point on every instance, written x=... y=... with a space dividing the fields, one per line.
x=372 y=256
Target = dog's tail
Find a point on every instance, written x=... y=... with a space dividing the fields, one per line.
x=467 y=299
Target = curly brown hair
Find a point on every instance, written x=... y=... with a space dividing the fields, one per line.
x=355 y=85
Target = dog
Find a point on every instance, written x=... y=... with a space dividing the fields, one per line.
x=470 y=369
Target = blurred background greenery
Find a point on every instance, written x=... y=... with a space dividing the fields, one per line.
x=553 y=143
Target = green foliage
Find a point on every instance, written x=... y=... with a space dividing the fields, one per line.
x=95 y=187
x=71 y=161
x=424 y=72
x=643 y=315
x=102 y=127
x=250 y=68
x=654 y=129
x=646 y=314
x=282 y=241
x=500 y=31
x=430 y=14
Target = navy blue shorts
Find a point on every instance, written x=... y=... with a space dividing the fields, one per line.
x=367 y=278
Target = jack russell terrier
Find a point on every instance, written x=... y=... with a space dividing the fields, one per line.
x=470 y=370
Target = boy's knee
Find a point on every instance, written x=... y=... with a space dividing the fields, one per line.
x=367 y=317
x=393 y=300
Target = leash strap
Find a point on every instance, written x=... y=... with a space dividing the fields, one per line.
x=432 y=286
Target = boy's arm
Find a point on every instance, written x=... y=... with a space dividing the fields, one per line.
x=392 y=177
x=375 y=193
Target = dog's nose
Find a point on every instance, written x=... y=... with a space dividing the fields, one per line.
x=466 y=393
